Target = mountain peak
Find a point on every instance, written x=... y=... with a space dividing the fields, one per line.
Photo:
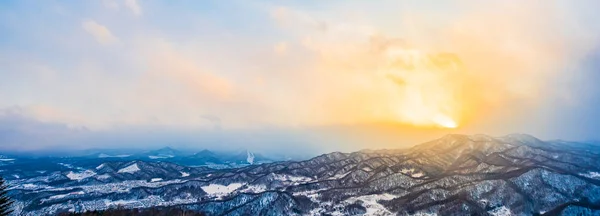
x=165 y=150
x=205 y=152
x=457 y=144
x=515 y=138
x=523 y=138
x=475 y=137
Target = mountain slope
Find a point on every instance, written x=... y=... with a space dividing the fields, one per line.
x=456 y=174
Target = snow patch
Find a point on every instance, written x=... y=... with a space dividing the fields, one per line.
x=156 y=179
x=218 y=190
x=595 y=175
x=130 y=169
x=407 y=171
x=313 y=195
x=295 y=179
x=79 y=176
x=254 y=189
x=29 y=186
x=412 y=172
x=417 y=175
x=371 y=204
x=100 y=166
x=184 y=174
x=339 y=176
x=109 y=203
x=60 y=196
x=103 y=177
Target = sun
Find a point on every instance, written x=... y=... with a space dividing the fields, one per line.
x=445 y=121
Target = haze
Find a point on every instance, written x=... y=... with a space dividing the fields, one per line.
x=308 y=76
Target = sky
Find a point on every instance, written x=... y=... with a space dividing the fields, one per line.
x=313 y=76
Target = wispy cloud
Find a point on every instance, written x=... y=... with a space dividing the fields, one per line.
x=134 y=7
x=100 y=33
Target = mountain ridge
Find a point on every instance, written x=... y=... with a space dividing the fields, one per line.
x=466 y=174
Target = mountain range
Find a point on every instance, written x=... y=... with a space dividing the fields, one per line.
x=454 y=175
x=202 y=158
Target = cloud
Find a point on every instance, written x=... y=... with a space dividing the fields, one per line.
x=509 y=60
x=280 y=14
x=101 y=33
x=166 y=63
x=280 y=48
x=490 y=67
x=112 y=4
x=215 y=120
x=134 y=7
x=297 y=19
x=20 y=131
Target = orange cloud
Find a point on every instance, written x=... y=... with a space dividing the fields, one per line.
x=493 y=59
x=165 y=62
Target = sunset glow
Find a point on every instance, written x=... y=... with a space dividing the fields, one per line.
x=296 y=67
x=445 y=122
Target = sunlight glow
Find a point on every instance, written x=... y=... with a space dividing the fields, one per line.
x=445 y=121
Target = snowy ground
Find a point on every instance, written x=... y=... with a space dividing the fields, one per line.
x=130 y=169
x=217 y=190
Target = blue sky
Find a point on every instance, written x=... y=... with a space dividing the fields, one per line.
x=314 y=75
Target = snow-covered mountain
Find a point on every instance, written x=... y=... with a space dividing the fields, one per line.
x=456 y=174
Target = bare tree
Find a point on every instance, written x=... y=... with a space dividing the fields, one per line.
x=5 y=201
